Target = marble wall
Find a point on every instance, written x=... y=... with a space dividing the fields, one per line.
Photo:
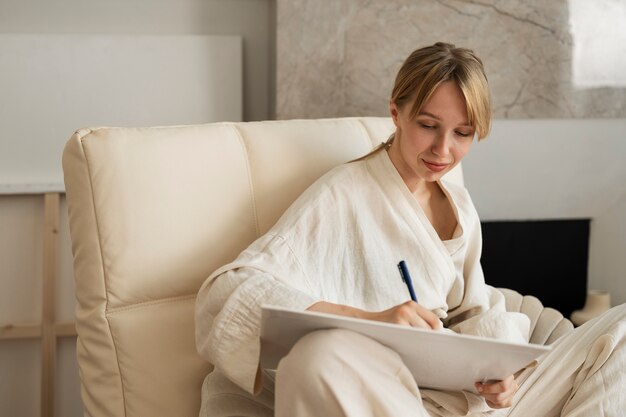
x=339 y=57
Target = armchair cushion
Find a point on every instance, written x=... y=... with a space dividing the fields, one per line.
x=546 y=324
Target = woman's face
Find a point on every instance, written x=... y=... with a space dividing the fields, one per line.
x=430 y=145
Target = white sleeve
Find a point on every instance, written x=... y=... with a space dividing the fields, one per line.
x=228 y=306
x=494 y=321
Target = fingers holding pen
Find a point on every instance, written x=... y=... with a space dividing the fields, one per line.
x=409 y=314
x=423 y=317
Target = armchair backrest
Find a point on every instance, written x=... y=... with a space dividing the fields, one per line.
x=153 y=211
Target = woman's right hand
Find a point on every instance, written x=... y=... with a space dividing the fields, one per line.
x=408 y=314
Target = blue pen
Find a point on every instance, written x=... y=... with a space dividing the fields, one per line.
x=406 y=277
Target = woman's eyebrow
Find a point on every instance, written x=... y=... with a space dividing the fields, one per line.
x=425 y=113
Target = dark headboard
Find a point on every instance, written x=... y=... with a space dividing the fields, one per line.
x=544 y=258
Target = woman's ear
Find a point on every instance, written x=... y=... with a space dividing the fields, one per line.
x=393 y=110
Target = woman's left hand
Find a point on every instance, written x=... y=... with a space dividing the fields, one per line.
x=498 y=394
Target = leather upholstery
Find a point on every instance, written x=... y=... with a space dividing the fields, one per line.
x=153 y=211
x=546 y=324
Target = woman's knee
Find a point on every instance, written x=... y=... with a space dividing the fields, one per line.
x=326 y=352
x=314 y=353
x=341 y=365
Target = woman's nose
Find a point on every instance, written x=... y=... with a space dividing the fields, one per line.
x=441 y=145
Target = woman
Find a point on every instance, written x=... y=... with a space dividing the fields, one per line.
x=335 y=250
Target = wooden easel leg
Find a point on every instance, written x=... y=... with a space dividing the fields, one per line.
x=48 y=325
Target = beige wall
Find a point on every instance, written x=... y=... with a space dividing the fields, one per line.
x=608 y=241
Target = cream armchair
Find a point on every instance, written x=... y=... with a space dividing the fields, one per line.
x=153 y=211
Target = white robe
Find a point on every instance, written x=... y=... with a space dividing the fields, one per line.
x=341 y=242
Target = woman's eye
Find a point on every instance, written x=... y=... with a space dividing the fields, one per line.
x=427 y=126
x=463 y=134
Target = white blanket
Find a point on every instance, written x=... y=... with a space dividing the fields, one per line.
x=341 y=242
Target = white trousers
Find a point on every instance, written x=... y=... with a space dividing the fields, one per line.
x=337 y=373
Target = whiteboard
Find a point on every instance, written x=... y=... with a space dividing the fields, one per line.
x=52 y=85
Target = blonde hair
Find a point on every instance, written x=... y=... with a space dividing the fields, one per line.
x=426 y=68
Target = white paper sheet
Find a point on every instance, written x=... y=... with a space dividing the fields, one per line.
x=437 y=359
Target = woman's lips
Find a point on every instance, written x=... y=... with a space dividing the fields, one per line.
x=435 y=167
